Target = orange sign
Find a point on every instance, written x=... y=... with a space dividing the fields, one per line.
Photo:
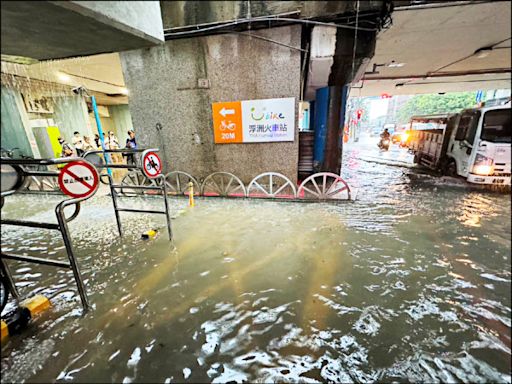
x=227 y=122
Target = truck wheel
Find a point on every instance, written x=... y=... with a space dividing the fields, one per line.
x=450 y=169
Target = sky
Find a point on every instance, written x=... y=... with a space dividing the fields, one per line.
x=378 y=107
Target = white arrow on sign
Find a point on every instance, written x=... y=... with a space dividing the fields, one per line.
x=225 y=112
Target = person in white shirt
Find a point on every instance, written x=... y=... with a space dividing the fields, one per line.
x=78 y=143
x=111 y=142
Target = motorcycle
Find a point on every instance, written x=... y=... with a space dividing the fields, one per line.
x=384 y=144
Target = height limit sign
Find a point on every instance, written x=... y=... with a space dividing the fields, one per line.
x=78 y=179
x=152 y=165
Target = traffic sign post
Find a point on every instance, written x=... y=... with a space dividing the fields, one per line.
x=78 y=179
x=151 y=165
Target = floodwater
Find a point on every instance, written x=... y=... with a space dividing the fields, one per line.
x=411 y=282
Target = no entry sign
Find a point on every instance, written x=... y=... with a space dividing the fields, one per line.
x=152 y=165
x=78 y=179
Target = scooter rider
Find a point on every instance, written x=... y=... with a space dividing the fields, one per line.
x=384 y=136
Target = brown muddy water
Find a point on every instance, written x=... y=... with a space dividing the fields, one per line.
x=411 y=282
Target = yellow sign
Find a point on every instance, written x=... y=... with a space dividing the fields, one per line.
x=53 y=135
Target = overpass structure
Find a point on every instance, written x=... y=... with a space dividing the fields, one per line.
x=441 y=47
x=45 y=30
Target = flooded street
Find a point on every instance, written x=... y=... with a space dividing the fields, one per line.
x=411 y=282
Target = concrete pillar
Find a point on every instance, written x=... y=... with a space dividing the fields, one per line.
x=335 y=122
x=332 y=146
x=344 y=70
x=166 y=87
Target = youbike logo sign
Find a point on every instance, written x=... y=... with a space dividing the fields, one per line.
x=254 y=121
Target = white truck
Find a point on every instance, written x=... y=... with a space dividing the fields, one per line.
x=474 y=144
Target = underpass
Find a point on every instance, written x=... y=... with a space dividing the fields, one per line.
x=407 y=281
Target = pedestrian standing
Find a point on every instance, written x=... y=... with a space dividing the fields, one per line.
x=78 y=143
x=113 y=143
x=131 y=143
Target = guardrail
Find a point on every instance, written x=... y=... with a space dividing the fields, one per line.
x=100 y=163
x=14 y=174
x=323 y=186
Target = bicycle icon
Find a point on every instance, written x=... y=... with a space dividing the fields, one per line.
x=230 y=127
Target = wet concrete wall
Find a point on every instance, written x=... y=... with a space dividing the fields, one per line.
x=185 y=12
x=122 y=120
x=163 y=83
x=70 y=116
x=12 y=130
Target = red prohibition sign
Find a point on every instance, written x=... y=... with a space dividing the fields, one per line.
x=152 y=165
x=78 y=179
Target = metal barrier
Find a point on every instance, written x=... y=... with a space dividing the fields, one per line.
x=177 y=183
x=19 y=165
x=329 y=186
x=160 y=184
x=322 y=186
x=223 y=184
x=262 y=186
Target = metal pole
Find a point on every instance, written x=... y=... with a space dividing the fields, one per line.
x=167 y=215
x=113 y=193
x=164 y=154
x=12 y=287
x=100 y=131
x=59 y=210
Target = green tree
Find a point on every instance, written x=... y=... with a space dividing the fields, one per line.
x=430 y=104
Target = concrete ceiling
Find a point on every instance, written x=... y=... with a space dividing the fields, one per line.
x=99 y=73
x=59 y=29
x=436 y=45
